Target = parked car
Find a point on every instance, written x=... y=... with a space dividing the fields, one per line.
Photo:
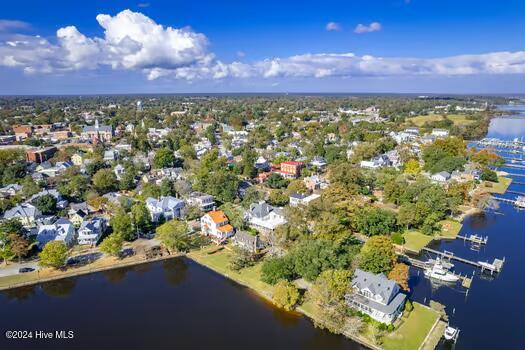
x=25 y=269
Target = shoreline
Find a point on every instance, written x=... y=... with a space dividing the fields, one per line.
x=81 y=272
x=268 y=299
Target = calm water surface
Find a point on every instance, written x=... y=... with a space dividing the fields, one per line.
x=175 y=304
x=491 y=316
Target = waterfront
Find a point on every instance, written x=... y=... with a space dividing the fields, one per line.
x=491 y=313
x=180 y=304
x=174 y=303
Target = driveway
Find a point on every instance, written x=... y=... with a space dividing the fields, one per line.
x=12 y=268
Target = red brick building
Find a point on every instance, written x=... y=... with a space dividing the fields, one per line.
x=291 y=169
x=40 y=155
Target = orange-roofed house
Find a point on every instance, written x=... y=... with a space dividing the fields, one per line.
x=22 y=132
x=215 y=224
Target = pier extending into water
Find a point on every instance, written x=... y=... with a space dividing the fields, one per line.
x=495 y=267
x=466 y=281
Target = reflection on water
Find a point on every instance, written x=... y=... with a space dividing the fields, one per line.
x=173 y=304
x=116 y=275
x=175 y=271
x=59 y=288
x=21 y=293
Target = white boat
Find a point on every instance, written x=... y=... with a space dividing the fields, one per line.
x=520 y=201
x=446 y=264
x=451 y=333
x=440 y=272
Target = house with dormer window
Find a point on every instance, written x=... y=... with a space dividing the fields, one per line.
x=376 y=296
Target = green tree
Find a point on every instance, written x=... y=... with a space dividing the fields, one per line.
x=376 y=221
x=276 y=181
x=276 y=269
x=141 y=217
x=164 y=158
x=121 y=224
x=104 y=181
x=326 y=295
x=285 y=295
x=377 y=255
x=278 y=198
x=311 y=257
x=47 y=204
x=173 y=235
x=112 y=244
x=235 y=215
x=54 y=254
x=241 y=258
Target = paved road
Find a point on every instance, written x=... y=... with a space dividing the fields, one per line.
x=12 y=268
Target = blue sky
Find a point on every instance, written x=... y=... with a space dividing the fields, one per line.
x=264 y=46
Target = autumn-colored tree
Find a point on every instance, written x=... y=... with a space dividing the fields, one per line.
x=286 y=295
x=400 y=274
x=378 y=255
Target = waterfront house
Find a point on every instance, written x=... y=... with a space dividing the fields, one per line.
x=62 y=230
x=168 y=207
x=376 y=296
x=215 y=224
x=91 y=231
x=264 y=217
x=26 y=213
x=247 y=241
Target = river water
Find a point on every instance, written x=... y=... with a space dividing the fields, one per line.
x=491 y=315
x=180 y=305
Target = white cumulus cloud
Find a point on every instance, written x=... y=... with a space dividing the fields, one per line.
x=133 y=41
x=333 y=26
x=372 y=27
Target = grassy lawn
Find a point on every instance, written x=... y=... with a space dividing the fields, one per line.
x=415 y=240
x=458 y=119
x=218 y=261
x=450 y=228
x=413 y=331
x=499 y=187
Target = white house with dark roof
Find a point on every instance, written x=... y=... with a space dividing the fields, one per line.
x=297 y=199
x=203 y=201
x=376 y=296
x=62 y=230
x=91 y=230
x=26 y=213
x=10 y=190
x=264 y=217
x=169 y=207
x=441 y=177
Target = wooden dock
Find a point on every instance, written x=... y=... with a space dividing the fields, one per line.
x=466 y=281
x=474 y=239
x=495 y=267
